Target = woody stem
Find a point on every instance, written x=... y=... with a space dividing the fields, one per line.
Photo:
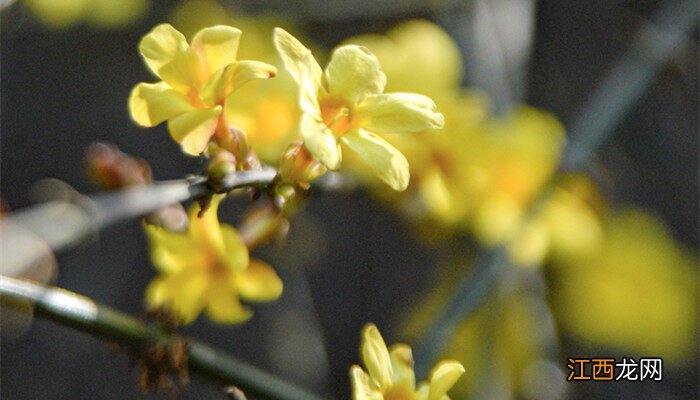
x=83 y=314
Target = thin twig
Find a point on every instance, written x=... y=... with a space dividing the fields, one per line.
x=83 y=314
x=611 y=101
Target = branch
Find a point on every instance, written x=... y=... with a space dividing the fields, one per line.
x=83 y=314
x=62 y=224
x=611 y=101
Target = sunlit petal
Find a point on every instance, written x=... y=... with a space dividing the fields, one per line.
x=399 y=113
x=225 y=81
x=303 y=67
x=183 y=71
x=152 y=103
x=387 y=163
x=320 y=142
x=376 y=356
x=362 y=387
x=194 y=129
x=217 y=46
x=402 y=364
x=354 y=73
x=443 y=377
x=160 y=46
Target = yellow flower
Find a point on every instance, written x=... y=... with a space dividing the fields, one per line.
x=197 y=81
x=637 y=293
x=567 y=226
x=520 y=153
x=266 y=111
x=207 y=268
x=390 y=374
x=104 y=13
x=344 y=104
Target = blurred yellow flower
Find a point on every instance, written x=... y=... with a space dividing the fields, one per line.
x=197 y=81
x=637 y=293
x=417 y=56
x=521 y=153
x=345 y=104
x=207 y=268
x=103 y=13
x=390 y=373
x=567 y=227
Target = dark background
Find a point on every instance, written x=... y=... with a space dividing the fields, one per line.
x=62 y=90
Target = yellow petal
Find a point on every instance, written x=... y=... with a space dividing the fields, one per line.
x=362 y=388
x=194 y=129
x=402 y=364
x=386 y=162
x=152 y=103
x=183 y=293
x=354 y=73
x=303 y=67
x=160 y=46
x=423 y=392
x=259 y=282
x=183 y=71
x=206 y=229
x=399 y=113
x=443 y=377
x=217 y=46
x=376 y=356
x=223 y=305
x=170 y=252
x=225 y=81
x=247 y=70
x=235 y=251
x=320 y=142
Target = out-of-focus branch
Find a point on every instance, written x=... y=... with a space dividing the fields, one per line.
x=83 y=314
x=610 y=102
x=62 y=224
x=628 y=79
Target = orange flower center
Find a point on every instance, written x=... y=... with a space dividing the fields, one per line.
x=399 y=393
x=337 y=115
x=215 y=267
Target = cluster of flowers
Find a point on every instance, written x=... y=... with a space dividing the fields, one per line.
x=471 y=172
x=207 y=267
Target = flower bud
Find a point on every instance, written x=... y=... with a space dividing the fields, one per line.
x=222 y=165
x=298 y=167
x=112 y=169
x=261 y=226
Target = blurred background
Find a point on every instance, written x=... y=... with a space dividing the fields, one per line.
x=607 y=266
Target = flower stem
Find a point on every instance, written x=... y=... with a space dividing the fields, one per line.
x=83 y=314
x=612 y=100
